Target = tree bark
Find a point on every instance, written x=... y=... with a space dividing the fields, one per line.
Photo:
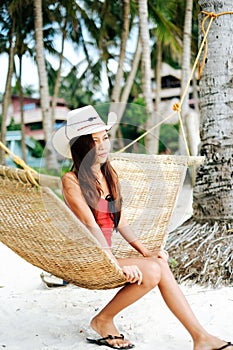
x=214 y=188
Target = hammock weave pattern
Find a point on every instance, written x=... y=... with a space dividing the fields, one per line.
x=39 y=227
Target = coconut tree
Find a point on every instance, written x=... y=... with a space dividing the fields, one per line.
x=166 y=35
x=186 y=63
x=44 y=91
x=23 y=35
x=146 y=73
x=7 y=45
x=203 y=246
x=64 y=17
x=123 y=82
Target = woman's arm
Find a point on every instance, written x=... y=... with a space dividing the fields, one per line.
x=74 y=199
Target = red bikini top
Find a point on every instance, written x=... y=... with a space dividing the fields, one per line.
x=104 y=220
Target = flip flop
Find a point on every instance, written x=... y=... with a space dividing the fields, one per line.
x=103 y=341
x=225 y=346
x=51 y=281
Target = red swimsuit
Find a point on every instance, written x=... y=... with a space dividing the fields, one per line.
x=104 y=221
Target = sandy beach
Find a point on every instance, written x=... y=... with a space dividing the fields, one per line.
x=33 y=317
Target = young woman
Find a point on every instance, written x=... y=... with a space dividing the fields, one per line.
x=87 y=189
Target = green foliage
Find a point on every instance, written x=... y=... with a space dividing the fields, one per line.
x=38 y=150
x=133 y=121
x=12 y=126
x=135 y=113
x=173 y=263
x=169 y=138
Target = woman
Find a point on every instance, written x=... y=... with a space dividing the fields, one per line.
x=88 y=189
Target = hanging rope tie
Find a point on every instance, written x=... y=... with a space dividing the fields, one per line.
x=212 y=16
x=177 y=107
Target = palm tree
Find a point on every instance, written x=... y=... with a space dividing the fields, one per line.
x=8 y=27
x=203 y=247
x=44 y=91
x=189 y=126
x=146 y=73
x=64 y=15
x=23 y=35
x=167 y=46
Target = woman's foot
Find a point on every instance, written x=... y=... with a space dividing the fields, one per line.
x=106 y=327
x=210 y=342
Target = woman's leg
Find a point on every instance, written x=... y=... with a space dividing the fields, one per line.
x=179 y=306
x=155 y=272
x=103 y=322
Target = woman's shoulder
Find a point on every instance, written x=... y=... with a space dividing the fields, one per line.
x=69 y=178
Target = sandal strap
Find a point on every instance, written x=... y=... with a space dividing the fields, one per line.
x=110 y=336
x=225 y=346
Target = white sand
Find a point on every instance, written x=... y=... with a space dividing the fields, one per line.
x=35 y=318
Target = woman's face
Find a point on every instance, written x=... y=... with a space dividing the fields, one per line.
x=102 y=144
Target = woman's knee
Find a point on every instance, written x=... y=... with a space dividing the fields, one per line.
x=151 y=274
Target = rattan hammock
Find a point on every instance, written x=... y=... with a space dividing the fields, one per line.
x=39 y=227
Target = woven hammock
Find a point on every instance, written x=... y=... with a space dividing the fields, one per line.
x=39 y=227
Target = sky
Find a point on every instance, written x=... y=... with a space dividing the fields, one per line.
x=29 y=69
x=30 y=74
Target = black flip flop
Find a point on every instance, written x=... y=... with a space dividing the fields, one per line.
x=103 y=341
x=225 y=346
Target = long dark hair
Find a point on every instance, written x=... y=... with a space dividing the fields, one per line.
x=84 y=156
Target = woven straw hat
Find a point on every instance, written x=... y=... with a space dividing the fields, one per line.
x=81 y=121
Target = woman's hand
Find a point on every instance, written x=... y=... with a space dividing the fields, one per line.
x=162 y=254
x=132 y=273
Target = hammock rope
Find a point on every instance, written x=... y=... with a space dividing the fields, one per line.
x=21 y=163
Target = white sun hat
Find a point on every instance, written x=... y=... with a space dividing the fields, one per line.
x=80 y=121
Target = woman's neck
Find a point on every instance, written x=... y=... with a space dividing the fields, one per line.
x=97 y=172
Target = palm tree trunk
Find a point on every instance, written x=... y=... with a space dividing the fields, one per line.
x=127 y=87
x=158 y=93
x=7 y=92
x=186 y=61
x=44 y=91
x=214 y=189
x=116 y=91
x=23 y=144
x=146 y=74
x=58 y=77
x=203 y=247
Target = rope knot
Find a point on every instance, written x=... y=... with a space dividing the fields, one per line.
x=213 y=15
x=176 y=107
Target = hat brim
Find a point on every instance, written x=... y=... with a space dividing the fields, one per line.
x=61 y=143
